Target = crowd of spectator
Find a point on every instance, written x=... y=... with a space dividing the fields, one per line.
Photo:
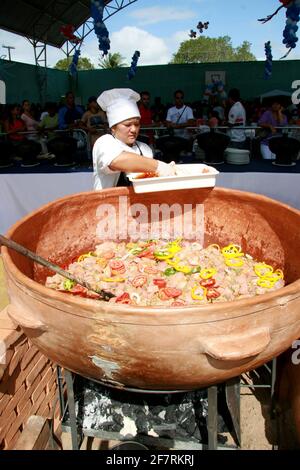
x=49 y=131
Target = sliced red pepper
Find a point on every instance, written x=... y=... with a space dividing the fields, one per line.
x=159 y=282
x=208 y=282
x=147 y=253
x=83 y=292
x=123 y=298
x=212 y=293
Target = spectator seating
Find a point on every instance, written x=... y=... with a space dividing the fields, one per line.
x=214 y=144
x=285 y=148
x=171 y=147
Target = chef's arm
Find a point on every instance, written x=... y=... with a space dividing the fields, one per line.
x=132 y=163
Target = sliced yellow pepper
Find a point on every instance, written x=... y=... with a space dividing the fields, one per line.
x=279 y=272
x=234 y=262
x=174 y=262
x=179 y=267
x=163 y=255
x=130 y=245
x=182 y=268
x=207 y=273
x=263 y=269
x=232 y=251
x=273 y=277
x=84 y=256
x=266 y=283
x=198 y=289
x=174 y=248
x=113 y=279
x=102 y=262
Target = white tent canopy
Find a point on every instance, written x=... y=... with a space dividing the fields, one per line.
x=272 y=93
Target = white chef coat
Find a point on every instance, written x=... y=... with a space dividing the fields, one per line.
x=105 y=150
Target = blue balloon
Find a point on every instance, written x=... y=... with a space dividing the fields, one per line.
x=97 y=9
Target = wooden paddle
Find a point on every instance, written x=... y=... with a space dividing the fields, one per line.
x=48 y=264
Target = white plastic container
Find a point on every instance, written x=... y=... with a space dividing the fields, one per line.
x=189 y=176
x=237 y=156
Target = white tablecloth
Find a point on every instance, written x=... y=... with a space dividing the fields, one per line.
x=23 y=193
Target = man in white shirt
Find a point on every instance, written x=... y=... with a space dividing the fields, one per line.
x=236 y=119
x=180 y=116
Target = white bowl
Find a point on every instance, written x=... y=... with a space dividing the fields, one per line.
x=189 y=176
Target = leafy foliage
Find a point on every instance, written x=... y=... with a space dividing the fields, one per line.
x=112 y=61
x=205 y=49
x=84 y=63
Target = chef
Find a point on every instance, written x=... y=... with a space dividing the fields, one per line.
x=120 y=151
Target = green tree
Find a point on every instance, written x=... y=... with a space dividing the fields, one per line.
x=205 y=49
x=243 y=53
x=84 y=63
x=112 y=61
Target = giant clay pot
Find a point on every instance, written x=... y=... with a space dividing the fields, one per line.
x=157 y=348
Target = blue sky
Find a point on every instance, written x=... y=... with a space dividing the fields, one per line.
x=157 y=27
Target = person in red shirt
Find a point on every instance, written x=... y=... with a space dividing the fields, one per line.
x=146 y=116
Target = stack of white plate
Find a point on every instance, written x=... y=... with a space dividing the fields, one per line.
x=237 y=156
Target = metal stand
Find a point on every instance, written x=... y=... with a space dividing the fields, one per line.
x=232 y=400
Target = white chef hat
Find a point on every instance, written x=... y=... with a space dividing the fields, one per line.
x=119 y=104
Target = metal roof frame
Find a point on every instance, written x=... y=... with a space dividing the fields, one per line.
x=40 y=22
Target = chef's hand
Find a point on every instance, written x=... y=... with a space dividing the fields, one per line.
x=166 y=169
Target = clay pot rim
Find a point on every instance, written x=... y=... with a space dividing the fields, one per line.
x=92 y=305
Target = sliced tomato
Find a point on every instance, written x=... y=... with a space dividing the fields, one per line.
x=123 y=298
x=172 y=292
x=212 y=293
x=117 y=267
x=83 y=292
x=162 y=295
x=139 y=281
x=78 y=290
x=147 y=253
x=108 y=254
x=159 y=282
x=208 y=282
x=177 y=303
